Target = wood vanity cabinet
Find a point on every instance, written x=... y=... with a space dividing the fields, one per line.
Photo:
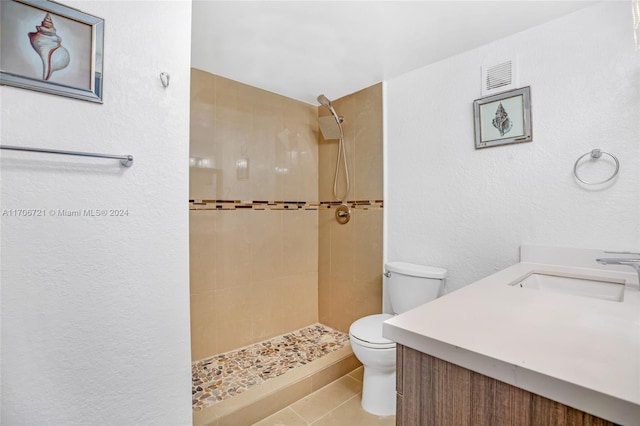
x=433 y=392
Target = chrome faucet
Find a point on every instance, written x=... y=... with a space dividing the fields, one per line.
x=634 y=263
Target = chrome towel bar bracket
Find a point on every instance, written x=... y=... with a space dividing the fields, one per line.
x=125 y=160
x=595 y=154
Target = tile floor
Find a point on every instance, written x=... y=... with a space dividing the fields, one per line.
x=337 y=404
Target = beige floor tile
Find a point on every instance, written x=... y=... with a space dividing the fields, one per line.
x=351 y=413
x=357 y=373
x=326 y=399
x=336 y=404
x=286 y=417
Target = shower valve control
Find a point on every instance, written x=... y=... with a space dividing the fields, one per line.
x=343 y=214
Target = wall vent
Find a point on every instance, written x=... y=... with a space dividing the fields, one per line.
x=499 y=77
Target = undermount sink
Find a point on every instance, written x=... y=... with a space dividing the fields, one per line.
x=606 y=289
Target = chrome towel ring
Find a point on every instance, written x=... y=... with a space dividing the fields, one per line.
x=595 y=154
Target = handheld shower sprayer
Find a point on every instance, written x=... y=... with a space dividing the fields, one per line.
x=325 y=102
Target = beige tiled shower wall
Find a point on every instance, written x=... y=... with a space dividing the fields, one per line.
x=233 y=123
x=350 y=256
x=260 y=273
x=254 y=273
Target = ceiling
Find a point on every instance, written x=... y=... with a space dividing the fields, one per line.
x=301 y=49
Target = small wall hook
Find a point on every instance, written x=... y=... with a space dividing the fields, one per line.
x=164 y=78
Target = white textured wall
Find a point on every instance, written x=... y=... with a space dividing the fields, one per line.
x=95 y=311
x=469 y=210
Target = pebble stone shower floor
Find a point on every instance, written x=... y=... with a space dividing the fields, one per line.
x=222 y=376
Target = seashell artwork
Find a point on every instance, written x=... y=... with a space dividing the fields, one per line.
x=48 y=45
x=502 y=122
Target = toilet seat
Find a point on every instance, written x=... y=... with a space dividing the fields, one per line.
x=367 y=332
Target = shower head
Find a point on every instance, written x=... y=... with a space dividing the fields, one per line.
x=330 y=126
x=324 y=101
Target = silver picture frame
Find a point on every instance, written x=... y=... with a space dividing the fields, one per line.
x=52 y=48
x=503 y=118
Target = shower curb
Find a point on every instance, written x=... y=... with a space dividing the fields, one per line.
x=262 y=400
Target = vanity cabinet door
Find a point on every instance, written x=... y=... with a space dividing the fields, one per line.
x=434 y=392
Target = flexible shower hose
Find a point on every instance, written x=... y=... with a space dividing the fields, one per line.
x=343 y=153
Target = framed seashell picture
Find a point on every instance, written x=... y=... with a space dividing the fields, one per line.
x=503 y=118
x=51 y=48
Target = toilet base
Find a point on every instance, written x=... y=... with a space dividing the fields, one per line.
x=379 y=392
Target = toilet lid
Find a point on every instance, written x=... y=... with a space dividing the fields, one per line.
x=369 y=330
x=416 y=270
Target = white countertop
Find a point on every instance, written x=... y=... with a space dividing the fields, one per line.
x=581 y=351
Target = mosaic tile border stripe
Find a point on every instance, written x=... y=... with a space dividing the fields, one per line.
x=282 y=205
x=222 y=376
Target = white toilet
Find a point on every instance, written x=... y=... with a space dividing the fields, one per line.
x=407 y=286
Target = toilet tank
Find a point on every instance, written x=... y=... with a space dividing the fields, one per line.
x=411 y=285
